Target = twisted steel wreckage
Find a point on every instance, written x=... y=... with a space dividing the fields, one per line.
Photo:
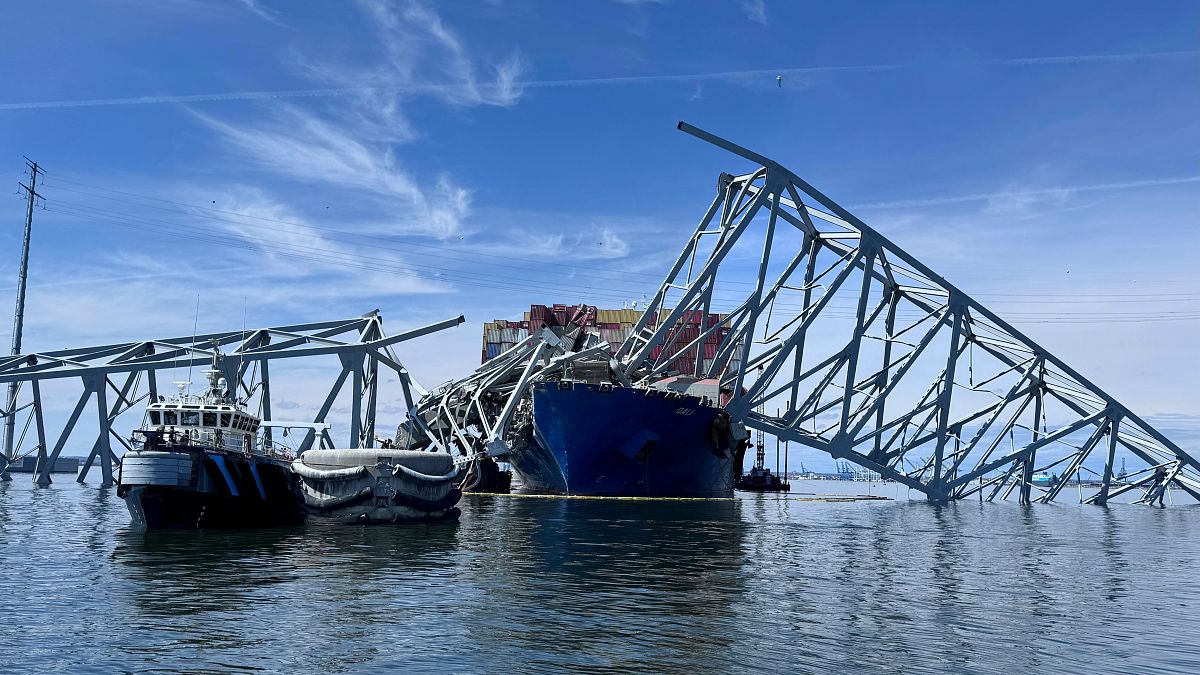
x=831 y=336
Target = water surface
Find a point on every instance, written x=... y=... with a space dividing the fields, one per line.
x=760 y=583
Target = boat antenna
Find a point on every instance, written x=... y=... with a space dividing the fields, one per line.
x=195 y=325
x=242 y=355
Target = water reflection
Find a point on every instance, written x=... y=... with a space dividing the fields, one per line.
x=659 y=578
x=539 y=585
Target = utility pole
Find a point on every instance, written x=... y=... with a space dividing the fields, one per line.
x=10 y=420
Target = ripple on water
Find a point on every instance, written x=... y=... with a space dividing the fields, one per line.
x=758 y=583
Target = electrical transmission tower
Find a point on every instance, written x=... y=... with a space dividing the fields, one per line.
x=31 y=197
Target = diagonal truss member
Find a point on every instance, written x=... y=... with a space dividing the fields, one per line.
x=872 y=357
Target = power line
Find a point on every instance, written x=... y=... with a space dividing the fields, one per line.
x=351 y=261
x=1023 y=298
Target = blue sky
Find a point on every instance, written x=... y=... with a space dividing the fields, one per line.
x=317 y=160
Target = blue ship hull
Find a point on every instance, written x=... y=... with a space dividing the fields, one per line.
x=593 y=440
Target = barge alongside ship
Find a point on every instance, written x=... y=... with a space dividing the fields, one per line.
x=378 y=485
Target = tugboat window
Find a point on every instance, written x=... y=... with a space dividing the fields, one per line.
x=210 y=419
x=169 y=418
x=224 y=419
x=155 y=418
x=190 y=418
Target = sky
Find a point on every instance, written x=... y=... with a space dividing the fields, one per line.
x=280 y=162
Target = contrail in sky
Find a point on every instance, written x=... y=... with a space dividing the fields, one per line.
x=582 y=82
x=1039 y=192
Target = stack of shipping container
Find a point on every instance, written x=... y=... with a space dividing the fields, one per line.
x=612 y=326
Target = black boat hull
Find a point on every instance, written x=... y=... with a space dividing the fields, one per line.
x=182 y=487
x=166 y=508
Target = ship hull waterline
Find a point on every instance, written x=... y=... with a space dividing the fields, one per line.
x=600 y=441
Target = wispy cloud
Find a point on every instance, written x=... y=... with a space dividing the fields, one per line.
x=304 y=146
x=756 y=10
x=351 y=144
x=257 y=8
x=420 y=55
x=507 y=85
x=1055 y=192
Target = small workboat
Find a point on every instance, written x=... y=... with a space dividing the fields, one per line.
x=196 y=462
x=378 y=485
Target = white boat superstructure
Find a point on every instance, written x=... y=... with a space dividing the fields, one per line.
x=209 y=420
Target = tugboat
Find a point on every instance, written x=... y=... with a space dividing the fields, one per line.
x=198 y=464
x=760 y=478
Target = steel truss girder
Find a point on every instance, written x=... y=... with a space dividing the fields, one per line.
x=474 y=415
x=859 y=402
x=359 y=343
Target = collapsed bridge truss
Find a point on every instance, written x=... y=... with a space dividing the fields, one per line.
x=861 y=351
x=872 y=357
x=120 y=376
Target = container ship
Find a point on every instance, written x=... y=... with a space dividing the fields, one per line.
x=585 y=436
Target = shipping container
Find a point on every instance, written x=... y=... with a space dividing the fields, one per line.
x=492 y=350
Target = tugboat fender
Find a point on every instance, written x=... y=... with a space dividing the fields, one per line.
x=419 y=477
x=332 y=502
x=321 y=474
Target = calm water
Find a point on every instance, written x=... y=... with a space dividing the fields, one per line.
x=758 y=583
